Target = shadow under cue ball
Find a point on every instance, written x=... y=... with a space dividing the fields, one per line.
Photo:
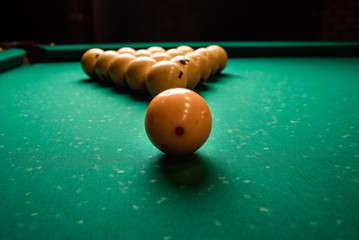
x=178 y=121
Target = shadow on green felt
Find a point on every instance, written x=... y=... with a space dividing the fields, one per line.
x=118 y=90
x=88 y=80
x=141 y=97
x=188 y=171
x=218 y=77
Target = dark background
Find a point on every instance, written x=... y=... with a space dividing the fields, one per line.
x=90 y=21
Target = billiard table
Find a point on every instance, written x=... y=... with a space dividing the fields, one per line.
x=281 y=162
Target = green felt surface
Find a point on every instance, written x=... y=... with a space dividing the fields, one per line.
x=281 y=162
x=11 y=58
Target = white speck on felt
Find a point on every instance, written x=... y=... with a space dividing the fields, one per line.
x=217 y=223
x=136 y=207
x=34 y=214
x=80 y=222
x=161 y=200
x=246 y=196
x=263 y=209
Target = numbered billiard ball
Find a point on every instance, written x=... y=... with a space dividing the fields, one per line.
x=178 y=121
x=103 y=64
x=137 y=73
x=160 y=56
x=207 y=62
x=142 y=52
x=118 y=69
x=222 y=56
x=88 y=61
x=126 y=50
x=203 y=64
x=185 y=49
x=164 y=75
x=173 y=52
x=190 y=69
x=212 y=59
x=155 y=49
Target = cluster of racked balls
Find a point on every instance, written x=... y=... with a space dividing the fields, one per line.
x=178 y=121
x=155 y=69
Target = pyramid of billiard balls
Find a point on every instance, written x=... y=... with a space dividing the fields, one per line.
x=155 y=69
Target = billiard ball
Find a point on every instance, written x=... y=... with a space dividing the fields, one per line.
x=206 y=64
x=212 y=59
x=118 y=69
x=164 y=75
x=142 y=52
x=178 y=121
x=155 y=49
x=103 y=64
x=190 y=69
x=137 y=72
x=173 y=52
x=203 y=64
x=160 y=56
x=126 y=50
x=185 y=49
x=88 y=61
x=222 y=56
